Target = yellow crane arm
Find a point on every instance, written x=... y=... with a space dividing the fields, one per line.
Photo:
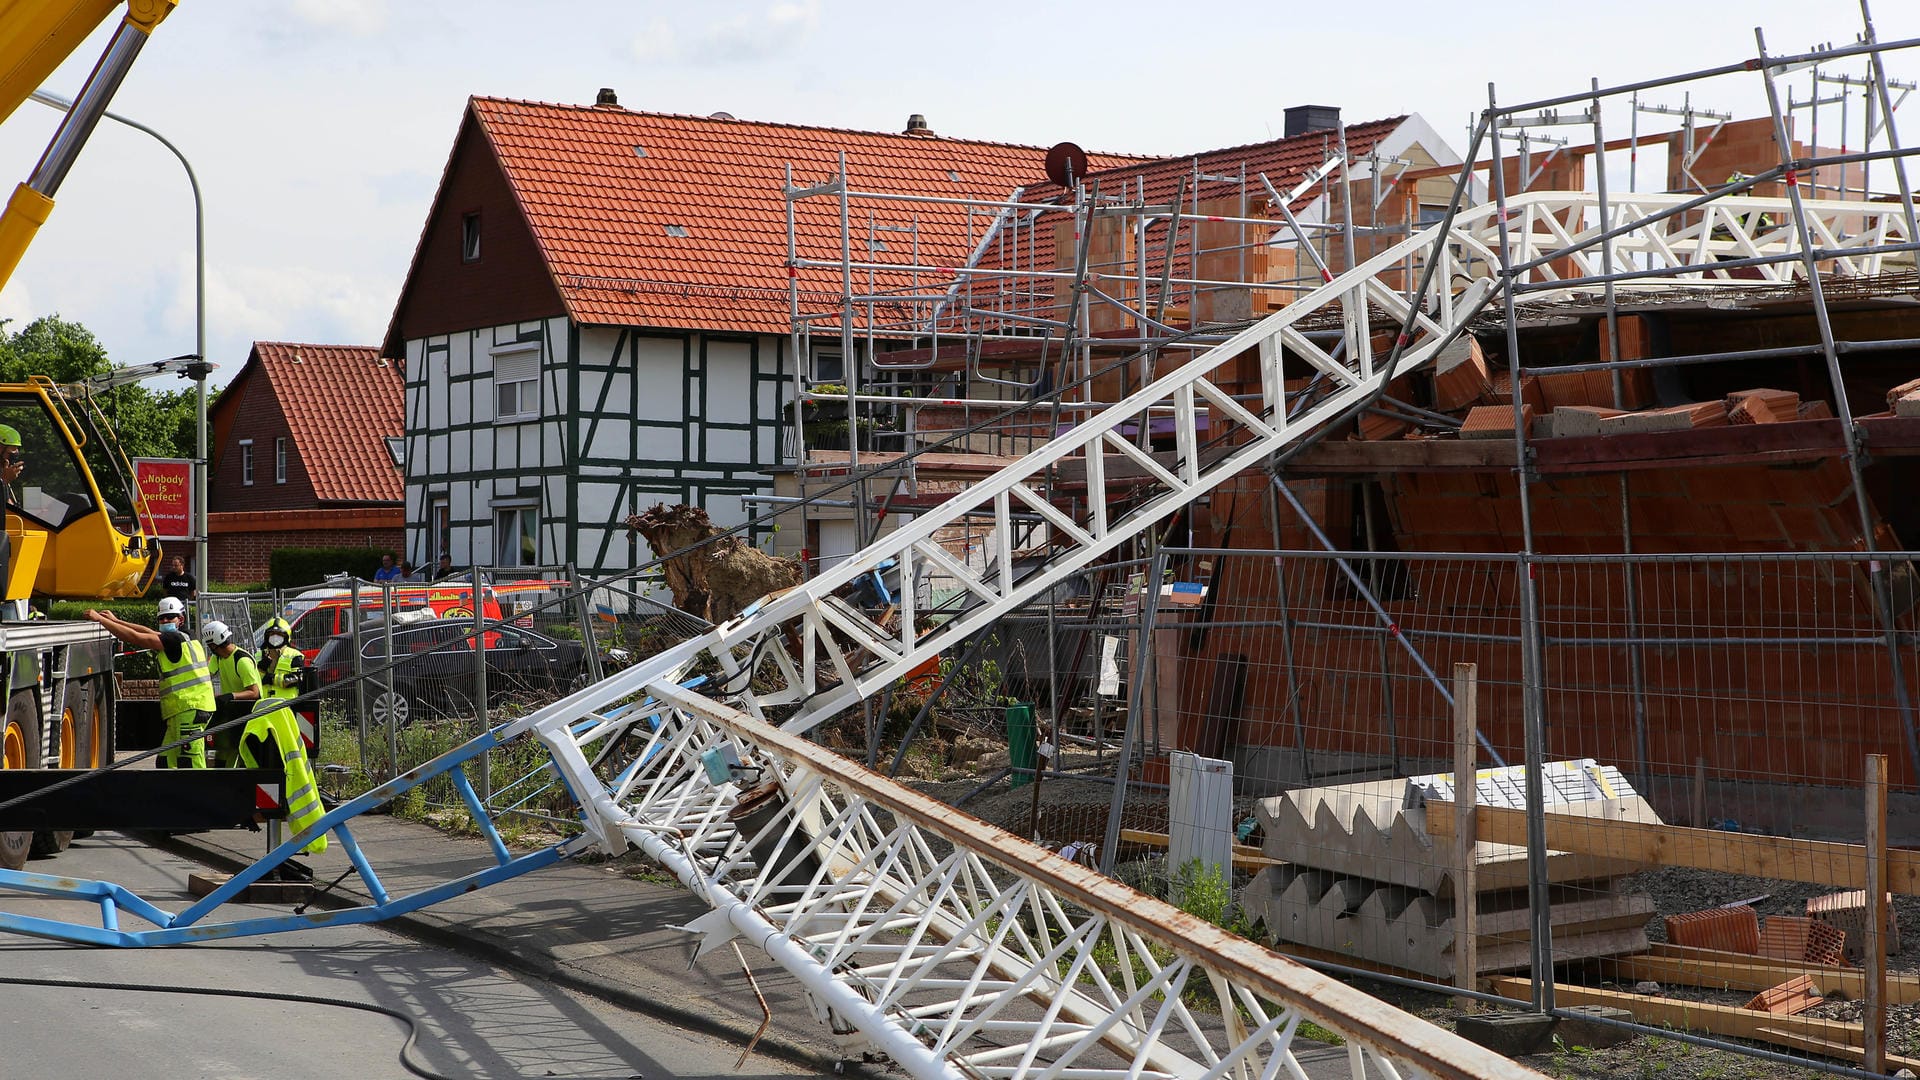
x=36 y=36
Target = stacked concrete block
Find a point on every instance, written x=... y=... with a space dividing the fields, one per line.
x=1361 y=876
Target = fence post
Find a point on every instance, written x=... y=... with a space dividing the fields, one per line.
x=386 y=655
x=1533 y=711
x=1874 y=1019
x=359 y=669
x=480 y=711
x=1150 y=606
x=1466 y=790
x=584 y=608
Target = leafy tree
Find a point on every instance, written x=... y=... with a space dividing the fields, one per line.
x=147 y=423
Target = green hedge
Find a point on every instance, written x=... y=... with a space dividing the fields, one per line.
x=296 y=568
x=136 y=665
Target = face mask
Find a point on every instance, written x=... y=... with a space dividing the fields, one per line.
x=274 y=641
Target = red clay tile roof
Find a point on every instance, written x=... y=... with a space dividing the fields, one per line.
x=1286 y=162
x=608 y=191
x=341 y=402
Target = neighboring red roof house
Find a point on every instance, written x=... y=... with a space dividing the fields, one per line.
x=301 y=456
x=598 y=315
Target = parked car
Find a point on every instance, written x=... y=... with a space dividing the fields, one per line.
x=435 y=670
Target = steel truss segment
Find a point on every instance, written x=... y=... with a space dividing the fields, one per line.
x=959 y=949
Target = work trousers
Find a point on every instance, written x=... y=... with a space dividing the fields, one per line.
x=193 y=755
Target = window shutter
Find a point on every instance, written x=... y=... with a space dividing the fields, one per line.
x=515 y=367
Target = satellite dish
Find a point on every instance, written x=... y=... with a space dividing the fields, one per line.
x=721 y=116
x=1066 y=163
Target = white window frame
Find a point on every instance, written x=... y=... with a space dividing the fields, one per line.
x=246 y=462
x=470 y=237
x=822 y=365
x=280 y=459
x=524 y=516
x=516 y=383
x=439 y=529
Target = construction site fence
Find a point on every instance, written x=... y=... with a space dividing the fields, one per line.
x=402 y=682
x=1714 y=735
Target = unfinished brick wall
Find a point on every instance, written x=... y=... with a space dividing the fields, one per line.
x=1806 y=507
x=1783 y=713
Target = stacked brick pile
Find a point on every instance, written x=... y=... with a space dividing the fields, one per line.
x=1582 y=403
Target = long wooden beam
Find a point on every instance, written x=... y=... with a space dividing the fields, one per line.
x=1818 y=862
x=1831 y=1038
x=1245 y=856
x=1714 y=969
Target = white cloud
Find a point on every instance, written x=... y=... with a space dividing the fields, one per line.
x=361 y=18
x=16 y=303
x=656 y=43
x=775 y=29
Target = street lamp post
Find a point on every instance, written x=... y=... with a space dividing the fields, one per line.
x=199 y=329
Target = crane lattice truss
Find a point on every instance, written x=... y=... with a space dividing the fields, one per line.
x=953 y=946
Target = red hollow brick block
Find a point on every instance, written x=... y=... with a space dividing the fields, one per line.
x=1734 y=929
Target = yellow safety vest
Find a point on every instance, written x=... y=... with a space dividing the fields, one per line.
x=279 y=678
x=236 y=675
x=303 y=790
x=186 y=684
x=281 y=681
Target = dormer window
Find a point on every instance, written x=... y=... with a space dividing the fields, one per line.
x=470 y=237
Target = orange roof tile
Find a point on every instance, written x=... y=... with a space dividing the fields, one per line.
x=1286 y=162
x=341 y=403
x=655 y=219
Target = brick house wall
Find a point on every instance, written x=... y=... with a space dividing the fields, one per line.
x=243 y=543
x=259 y=417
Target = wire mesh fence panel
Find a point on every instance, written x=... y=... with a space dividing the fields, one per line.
x=1318 y=685
x=1739 y=696
x=1743 y=696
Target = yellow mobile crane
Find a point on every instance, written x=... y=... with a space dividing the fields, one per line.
x=75 y=524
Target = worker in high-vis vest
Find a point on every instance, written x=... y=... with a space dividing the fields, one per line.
x=186 y=679
x=236 y=689
x=283 y=675
x=271 y=738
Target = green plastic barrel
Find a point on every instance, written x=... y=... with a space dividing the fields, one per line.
x=1020 y=744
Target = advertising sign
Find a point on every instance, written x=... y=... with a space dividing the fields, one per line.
x=167 y=485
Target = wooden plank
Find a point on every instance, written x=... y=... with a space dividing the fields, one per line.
x=1829 y=1037
x=1794 y=1040
x=1339 y=457
x=1245 y=856
x=1715 y=970
x=1466 y=890
x=1819 y=862
x=1725 y=445
x=1875 y=1015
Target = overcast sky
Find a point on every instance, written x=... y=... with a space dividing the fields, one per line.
x=319 y=128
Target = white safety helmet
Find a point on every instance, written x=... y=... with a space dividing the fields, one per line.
x=216 y=632
x=171 y=608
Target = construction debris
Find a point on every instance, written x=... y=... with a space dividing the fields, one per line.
x=1792 y=937
x=712 y=575
x=1493 y=421
x=1847 y=913
x=1734 y=929
x=1793 y=996
x=1762 y=406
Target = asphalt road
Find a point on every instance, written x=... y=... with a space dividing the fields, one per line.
x=473 y=1020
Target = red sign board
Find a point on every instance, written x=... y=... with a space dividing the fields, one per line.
x=167 y=485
